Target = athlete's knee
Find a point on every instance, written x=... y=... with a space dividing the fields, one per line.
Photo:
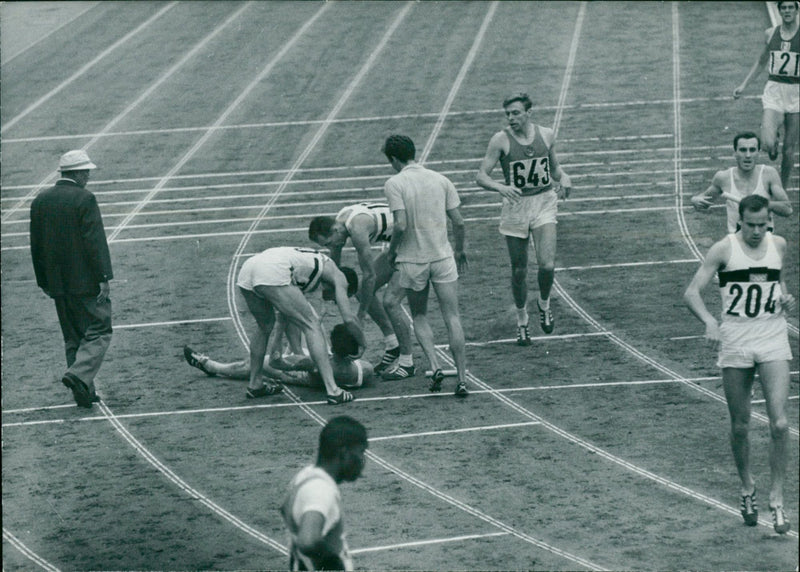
x=519 y=272
x=740 y=428
x=547 y=268
x=778 y=427
x=391 y=300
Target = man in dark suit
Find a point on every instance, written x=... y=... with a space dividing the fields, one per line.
x=73 y=266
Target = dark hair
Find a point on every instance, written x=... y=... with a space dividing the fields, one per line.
x=745 y=135
x=340 y=433
x=753 y=204
x=400 y=147
x=343 y=343
x=522 y=97
x=320 y=226
x=788 y=2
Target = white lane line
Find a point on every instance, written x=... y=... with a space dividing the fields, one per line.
x=383 y=463
x=536 y=338
x=8 y=58
x=415 y=543
x=320 y=132
x=170 y=323
x=27 y=552
x=144 y=95
x=494 y=111
x=220 y=120
x=462 y=73
x=183 y=485
x=451 y=431
x=102 y=55
x=676 y=129
x=791 y=397
x=380 y=399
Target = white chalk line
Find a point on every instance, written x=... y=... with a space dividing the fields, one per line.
x=135 y=103
x=493 y=111
x=265 y=72
x=676 y=129
x=388 y=466
x=294 y=404
x=416 y=543
x=27 y=552
x=83 y=69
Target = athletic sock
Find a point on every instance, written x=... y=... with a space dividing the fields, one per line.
x=522 y=316
x=406 y=360
x=391 y=342
x=544 y=304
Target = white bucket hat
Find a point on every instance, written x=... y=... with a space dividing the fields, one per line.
x=76 y=160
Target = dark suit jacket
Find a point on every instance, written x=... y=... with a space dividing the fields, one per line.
x=68 y=241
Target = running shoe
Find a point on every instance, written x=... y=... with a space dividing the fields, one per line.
x=343 y=397
x=388 y=360
x=197 y=360
x=461 y=389
x=546 y=320
x=435 y=384
x=523 y=336
x=399 y=372
x=749 y=508
x=264 y=391
x=779 y=522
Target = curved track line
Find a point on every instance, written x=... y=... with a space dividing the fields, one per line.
x=290 y=394
x=27 y=552
x=676 y=91
x=183 y=485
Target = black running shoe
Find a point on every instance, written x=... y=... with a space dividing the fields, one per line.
x=749 y=509
x=197 y=360
x=546 y=319
x=435 y=384
x=388 y=360
x=461 y=389
x=343 y=397
x=264 y=391
x=779 y=522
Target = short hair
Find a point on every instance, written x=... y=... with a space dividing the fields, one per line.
x=400 y=147
x=341 y=432
x=753 y=204
x=343 y=342
x=522 y=97
x=779 y=2
x=745 y=135
x=320 y=226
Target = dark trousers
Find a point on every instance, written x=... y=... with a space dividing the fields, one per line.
x=86 y=326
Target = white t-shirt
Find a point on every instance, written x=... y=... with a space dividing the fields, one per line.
x=426 y=196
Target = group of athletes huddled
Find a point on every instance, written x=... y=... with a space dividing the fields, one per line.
x=409 y=233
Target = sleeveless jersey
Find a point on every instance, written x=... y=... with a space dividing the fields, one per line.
x=751 y=289
x=784 y=58
x=301 y=266
x=380 y=214
x=527 y=167
x=323 y=497
x=732 y=208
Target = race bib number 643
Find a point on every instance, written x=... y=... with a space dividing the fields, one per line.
x=534 y=172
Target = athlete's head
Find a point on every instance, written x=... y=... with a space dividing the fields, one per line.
x=329 y=292
x=324 y=231
x=754 y=215
x=520 y=97
x=746 y=146
x=399 y=147
x=342 y=443
x=790 y=6
x=343 y=342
